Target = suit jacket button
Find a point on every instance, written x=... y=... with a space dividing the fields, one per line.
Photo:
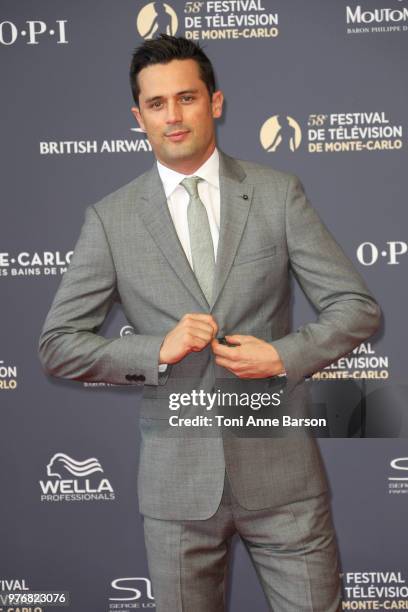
x=129 y=377
x=142 y=377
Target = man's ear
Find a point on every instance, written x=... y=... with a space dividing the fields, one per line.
x=216 y=104
x=138 y=117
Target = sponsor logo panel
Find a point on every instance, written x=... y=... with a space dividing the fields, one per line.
x=340 y=132
x=133 y=593
x=33 y=32
x=374 y=590
x=71 y=480
x=361 y=364
x=210 y=20
x=366 y=19
x=393 y=253
x=398 y=477
x=8 y=376
x=95 y=146
x=37 y=263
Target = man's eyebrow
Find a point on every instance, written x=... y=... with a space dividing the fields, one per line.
x=179 y=93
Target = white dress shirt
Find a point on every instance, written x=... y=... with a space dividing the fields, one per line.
x=178 y=199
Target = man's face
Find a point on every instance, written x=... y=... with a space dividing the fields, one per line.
x=177 y=114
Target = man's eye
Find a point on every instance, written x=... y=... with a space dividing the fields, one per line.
x=156 y=105
x=187 y=98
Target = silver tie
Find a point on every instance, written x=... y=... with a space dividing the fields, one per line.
x=202 y=248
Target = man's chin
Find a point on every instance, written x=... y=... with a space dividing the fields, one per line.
x=179 y=151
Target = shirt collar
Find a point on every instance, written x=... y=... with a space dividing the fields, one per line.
x=209 y=171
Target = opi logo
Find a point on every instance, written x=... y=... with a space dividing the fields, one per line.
x=33 y=31
x=368 y=253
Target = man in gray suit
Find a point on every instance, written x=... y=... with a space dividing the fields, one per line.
x=200 y=248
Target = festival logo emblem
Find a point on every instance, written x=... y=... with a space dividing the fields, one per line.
x=156 y=18
x=280 y=130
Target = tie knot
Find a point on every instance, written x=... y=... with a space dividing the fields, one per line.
x=190 y=184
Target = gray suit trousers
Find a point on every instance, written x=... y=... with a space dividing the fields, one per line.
x=292 y=548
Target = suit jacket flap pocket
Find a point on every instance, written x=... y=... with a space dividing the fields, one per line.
x=255 y=255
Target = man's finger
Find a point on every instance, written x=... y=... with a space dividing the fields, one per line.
x=203 y=318
x=227 y=352
x=237 y=338
x=198 y=343
x=197 y=334
x=195 y=325
x=225 y=363
x=200 y=316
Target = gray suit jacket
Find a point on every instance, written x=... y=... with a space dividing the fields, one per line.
x=128 y=251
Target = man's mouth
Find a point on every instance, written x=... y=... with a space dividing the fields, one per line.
x=178 y=135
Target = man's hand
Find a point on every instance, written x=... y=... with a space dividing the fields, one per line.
x=252 y=358
x=191 y=334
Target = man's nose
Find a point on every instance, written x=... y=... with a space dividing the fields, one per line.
x=174 y=114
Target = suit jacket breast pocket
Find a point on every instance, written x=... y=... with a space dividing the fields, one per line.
x=255 y=255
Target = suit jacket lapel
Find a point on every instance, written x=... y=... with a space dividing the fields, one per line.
x=235 y=200
x=156 y=216
x=236 y=196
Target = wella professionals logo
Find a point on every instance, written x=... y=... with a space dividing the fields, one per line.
x=72 y=480
x=156 y=18
x=280 y=131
